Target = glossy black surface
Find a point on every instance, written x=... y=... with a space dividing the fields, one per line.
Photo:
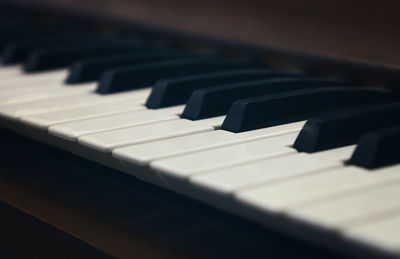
x=91 y=69
x=215 y=101
x=277 y=109
x=128 y=78
x=176 y=91
x=345 y=128
x=378 y=148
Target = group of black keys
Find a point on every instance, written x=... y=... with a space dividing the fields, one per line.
x=250 y=94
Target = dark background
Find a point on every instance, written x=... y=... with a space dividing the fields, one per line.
x=356 y=30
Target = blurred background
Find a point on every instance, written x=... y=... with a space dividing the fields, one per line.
x=355 y=30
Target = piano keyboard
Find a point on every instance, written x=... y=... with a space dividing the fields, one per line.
x=310 y=155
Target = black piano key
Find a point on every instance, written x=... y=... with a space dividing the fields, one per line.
x=176 y=91
x=18 y=50
x=65 y=55
x=377 y=148
x=30 y=34
x=92 y=69
x=128 y=78
x=215 y=101
x=276 y=109
x=345 y=128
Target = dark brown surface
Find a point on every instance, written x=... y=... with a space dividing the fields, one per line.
x=23 y=236
x=356 y=30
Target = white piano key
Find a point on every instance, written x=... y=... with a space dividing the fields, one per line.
x=147 y=152
x=45 y=120
x=33 y=78
x=109 y=140
x=226 y=181
x=72 y=130
x=382 y=233
x=9 y=71
x=48 y=90
x=64 y=102
x=352 y=208
x=30 y=88
x=319 y=186
x=136 y=158
x=177 y=170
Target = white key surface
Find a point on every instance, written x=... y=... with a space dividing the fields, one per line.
x=261 y=172
x=33 y=78
x=316 y=187
x=352 y=208
x=109 y=140
x=147 y=152
x=383 y=232
x=72 y=130
x=199 y=162
x=48 y=90
x=64 y=102
x=45 y=120
x=10 y=71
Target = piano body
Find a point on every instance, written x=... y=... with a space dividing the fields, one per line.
x=177 y=129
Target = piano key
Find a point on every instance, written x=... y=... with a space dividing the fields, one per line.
x=7 y=71
x=344 y=128
x=32 y=88
x=139 y=76
x=109 y=140
x=64 y=102
x=214 y=101
x=92 y=69
x=226 y=181
x=21 y=79
x=314 y=187
x=378 y=148
x=298 y=105
x=41 y=92
x=29 y=33
x=383 y=232
x=176 y=170
x=136 y=158
x=64 y=55
x=176 y=91
x=72 y=130
x=145 y=153
x=47 y=119
x=343 y=211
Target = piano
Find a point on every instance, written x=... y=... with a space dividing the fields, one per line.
x=210 y=146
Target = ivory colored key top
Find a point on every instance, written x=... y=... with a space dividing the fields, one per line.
x=318 y=186
x=34 y=87
x=72 y=130
x=228 y=180
x=28 y=89
x=49 y=90
x=34 y=78
x=383 y=232
x=8 y=71
x=45 y=120
x=109 y=140
x=136 y=158
x=353 y=208
x=147 y=152
x=176 y=170
x=61 y=103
